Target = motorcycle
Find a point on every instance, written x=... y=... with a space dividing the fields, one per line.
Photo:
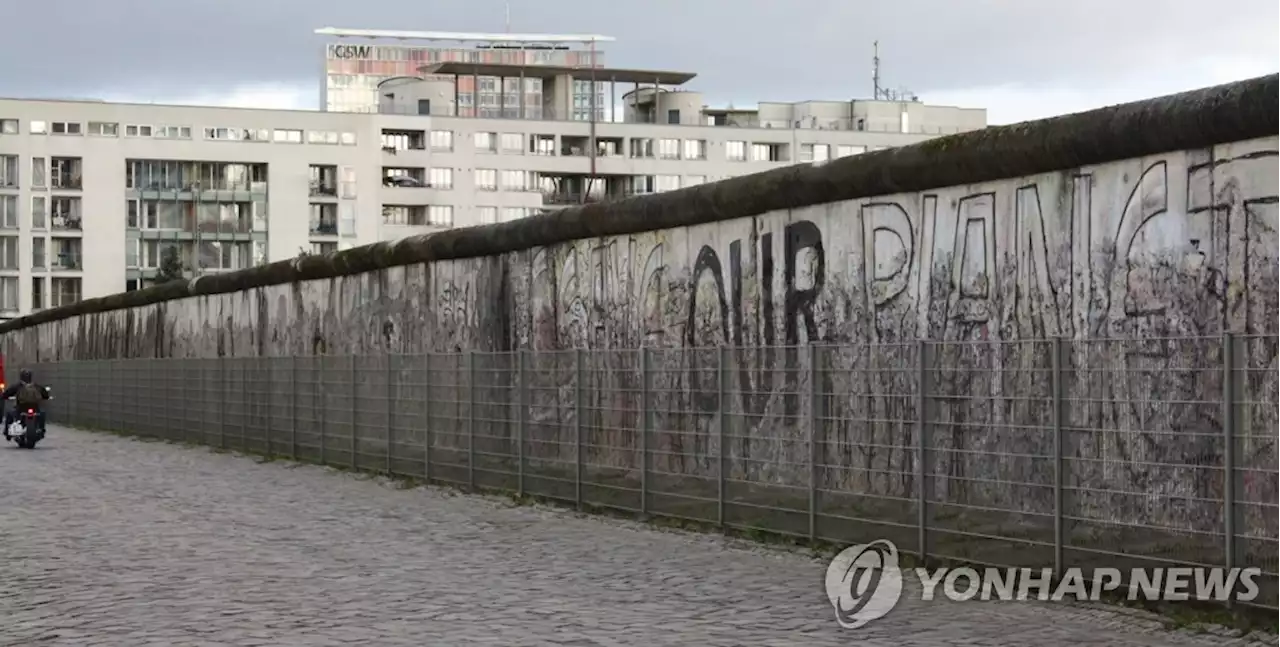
x=25 y=428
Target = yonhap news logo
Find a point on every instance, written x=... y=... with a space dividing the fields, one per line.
x=865 y=583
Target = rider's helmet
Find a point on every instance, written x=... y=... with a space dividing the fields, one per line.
x=25 y=376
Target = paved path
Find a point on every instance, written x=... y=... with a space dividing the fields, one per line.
x=133 y=543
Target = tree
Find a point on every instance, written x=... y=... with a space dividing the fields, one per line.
x=171 y=268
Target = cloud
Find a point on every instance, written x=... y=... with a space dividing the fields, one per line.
x=983 y=51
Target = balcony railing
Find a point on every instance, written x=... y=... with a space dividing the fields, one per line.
x=565 y=198
x=68 y=261
x=70 y=183
x=325 y=189
x=324 y=228
x=61 y=222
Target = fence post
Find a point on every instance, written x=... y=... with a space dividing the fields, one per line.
x=521 y=407
x=293 y=407
x=1058 y=384
x=222 y=396
x=355 y=417
x=471 y=419
x=815 y=438
x=722 y=397
x=391 y=392
x=266 y=375
x=578 y=410
x=426 y=417
x=645 y=405
x=923 y=441
x=1229 y=396
x=244 y=405
x=322 y=405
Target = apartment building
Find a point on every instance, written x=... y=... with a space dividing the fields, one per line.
x=92 y=194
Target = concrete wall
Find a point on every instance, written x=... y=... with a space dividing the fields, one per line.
x=1134 y=222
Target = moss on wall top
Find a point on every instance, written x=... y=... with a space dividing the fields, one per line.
x=1233 y=112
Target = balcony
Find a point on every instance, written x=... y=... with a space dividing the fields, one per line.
x=67 y=262
x=65 y=222
x=324 y=181
x=324 y=190
x=570 y=198
x=324 y=227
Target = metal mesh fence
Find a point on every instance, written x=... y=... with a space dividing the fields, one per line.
x=1090 y=453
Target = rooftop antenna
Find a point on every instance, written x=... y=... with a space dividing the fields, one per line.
x=508 y=11
x=875 y=70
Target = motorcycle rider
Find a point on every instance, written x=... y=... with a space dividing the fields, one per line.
x=28 y=395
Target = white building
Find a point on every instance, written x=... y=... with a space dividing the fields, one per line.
x=91 y=193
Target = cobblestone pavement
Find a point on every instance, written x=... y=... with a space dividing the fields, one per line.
x=112 y=541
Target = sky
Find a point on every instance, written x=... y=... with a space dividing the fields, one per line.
x=1019 y=59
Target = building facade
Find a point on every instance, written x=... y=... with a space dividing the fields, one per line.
x=92 y=194
x=354 y=69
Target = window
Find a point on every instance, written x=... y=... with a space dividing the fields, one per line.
x=669 y=149
x=222 y=255
x=404 y=215
x=66 y=291
x=641 y=147
x=37 y=293
x=322 y=137
x=237 y=134
x=442 y=140
x=694 y=180
x=845 y=150
x=286 y=136
x=487 y=215
x=766 y=153
x=514 y=213
x=542 y=144
x=9 y=171
x=104 y=129
x=735 y=151
x=66 y=254
x=39 y=128
x=39 y=172
x=172 y=132
x=137 y=131
x=486 y=179
x=666 y=182
x=324 y=219
x=37 y=252
x=440 y=215
x=9 y=211
x=673 y=116
x=65 y=173
x=486 y=142
x=66 y=128
x=441 y=178
x=347 y=185
x=8 y=252
x=517 y=181
x=346 y=219
x=512 y=143
x=9 y=294
x=402 y=140
x=39 y=209
x=694 y=149
x=8 y=126
x=320 y=249
x=323 y=180
x=814 y=152
x=64 y=213
x=347 y=139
